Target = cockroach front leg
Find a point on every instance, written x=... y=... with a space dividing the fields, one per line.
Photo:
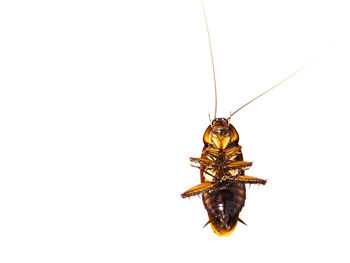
x=204 y=162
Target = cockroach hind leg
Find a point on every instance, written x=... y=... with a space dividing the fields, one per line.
x=199 y=189
x=240 y=220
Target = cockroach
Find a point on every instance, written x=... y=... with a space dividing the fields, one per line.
x=222 y=167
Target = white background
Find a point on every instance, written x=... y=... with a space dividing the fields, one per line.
x=102 y=103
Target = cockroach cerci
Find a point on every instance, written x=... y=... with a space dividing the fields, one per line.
x=222 y=168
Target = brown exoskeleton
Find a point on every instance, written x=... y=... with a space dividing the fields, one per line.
x=222 y=176
x=222 y=168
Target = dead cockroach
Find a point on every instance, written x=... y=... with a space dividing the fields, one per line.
x=222 y=168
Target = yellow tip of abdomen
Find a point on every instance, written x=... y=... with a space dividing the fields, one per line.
x=223 y=232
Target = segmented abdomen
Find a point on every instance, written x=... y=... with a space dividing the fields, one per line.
x=225 y=206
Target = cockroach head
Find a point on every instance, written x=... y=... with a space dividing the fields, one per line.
x=220 y=126
x=220 y=134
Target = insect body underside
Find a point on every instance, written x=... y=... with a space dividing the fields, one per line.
x=222 y=177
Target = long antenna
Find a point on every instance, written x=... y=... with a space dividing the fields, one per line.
x=212 y=59
x=287 y=78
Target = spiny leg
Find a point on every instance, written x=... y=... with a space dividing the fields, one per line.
x=249 y=179
x=200 y=189
x=237 y=164
x=204 y=171
x=202 y=161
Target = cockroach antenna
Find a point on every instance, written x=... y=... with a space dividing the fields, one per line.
x=279 y=83
x=212 y=58
x=266 y=91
